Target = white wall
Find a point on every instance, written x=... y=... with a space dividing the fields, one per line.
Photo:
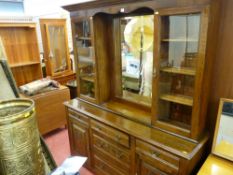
x=49 y=9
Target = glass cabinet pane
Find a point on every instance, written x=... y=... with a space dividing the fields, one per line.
x=178 y=64
x=57 y=51
x=86 y=58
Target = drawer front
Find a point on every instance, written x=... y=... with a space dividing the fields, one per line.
x=115 y=151
x=104 y=168
x=111 y=133
x=79 y=117
x=119 y=166
x=157 y=157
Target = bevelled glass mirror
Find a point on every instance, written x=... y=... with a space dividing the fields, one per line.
x=136 y=37
x=223 y=136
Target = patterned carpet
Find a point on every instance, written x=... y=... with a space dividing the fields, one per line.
x=58 y=143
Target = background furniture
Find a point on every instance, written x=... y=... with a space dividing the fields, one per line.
x=50 y=111
x=220 y=160
x=12 y=93
x=215 y=165
x=21 y=47
x=56 y=50
x=162 y=132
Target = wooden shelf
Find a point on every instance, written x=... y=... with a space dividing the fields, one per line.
x=179 y=40
x=182 y=125
x=181 y=99
x=184 y=71
x=84 y=38
x=83 y=65
x=88 y=78
x=24 y=64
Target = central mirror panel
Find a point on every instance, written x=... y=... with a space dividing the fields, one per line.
x=137 y=36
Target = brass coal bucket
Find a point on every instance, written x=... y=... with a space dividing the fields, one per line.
x=20 y=150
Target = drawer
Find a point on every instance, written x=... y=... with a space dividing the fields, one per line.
x=119 y=153
x=104 y=168
x=78 y=117
x=120 y=166
x=111 y=133
x=157 y=157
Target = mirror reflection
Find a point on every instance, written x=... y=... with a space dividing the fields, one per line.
x=137 y=58
x=57 y=51
x=224 y=138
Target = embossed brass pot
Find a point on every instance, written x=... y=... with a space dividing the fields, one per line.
x=20 y=150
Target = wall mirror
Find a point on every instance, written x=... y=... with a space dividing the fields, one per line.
x=136 y=52
x=223 y=136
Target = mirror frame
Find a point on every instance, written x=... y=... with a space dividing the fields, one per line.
x=222 y=100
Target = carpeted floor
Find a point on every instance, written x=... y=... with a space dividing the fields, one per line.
x=58 y=143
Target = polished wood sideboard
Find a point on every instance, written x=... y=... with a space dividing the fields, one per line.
x=160 y=126
x=116 y=145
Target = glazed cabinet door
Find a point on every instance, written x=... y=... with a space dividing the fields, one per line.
x=83 y=40
x=79 y=136
x=179 y=67
x=55 y=44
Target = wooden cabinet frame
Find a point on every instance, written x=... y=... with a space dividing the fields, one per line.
x=44 y=26
x=197 y=118
x=138 y=121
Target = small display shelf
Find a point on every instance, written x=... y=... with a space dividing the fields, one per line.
x=85 y=58
x=181 y=99
x=183 y=71
x=178 y=67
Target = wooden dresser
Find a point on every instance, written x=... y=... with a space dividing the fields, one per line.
x=153 y=121
x=116 y=145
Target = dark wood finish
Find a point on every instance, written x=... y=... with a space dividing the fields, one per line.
x=22 y=51
x=79 y=135
x=197 y=118
x=107 y=150
x=101 y=51
x=177 y=145
x=113 y=134
x=221 y=83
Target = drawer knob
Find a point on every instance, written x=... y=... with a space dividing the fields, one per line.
x=101 y=166
x=119 y=155
x=155 y=154
x=118 y=137
x=99 y=128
